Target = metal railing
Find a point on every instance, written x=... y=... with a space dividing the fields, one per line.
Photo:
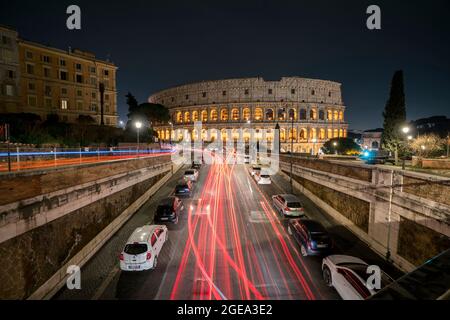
x=28 y=158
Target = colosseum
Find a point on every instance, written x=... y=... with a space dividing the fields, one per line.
x=307 y=111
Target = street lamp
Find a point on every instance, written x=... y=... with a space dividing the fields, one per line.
x=170 y=134
x=405 y=131
x=335 y=145
x=138 y=126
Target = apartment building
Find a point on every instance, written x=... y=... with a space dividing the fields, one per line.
x=65 y=83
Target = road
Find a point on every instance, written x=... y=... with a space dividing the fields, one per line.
x=229 y=244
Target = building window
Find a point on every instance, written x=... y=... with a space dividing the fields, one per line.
x=32 y=101
x=63 y=75
x=29 y=55
x=292 y=91
x=313 y=92
x=31 y=86
x=94 y=95
x=329 y=94
x=204 y=94
x=246 y=92
x=93 y=107
x=48 y=103
x=270 y=91
x=64 y=91
x=47 y=72
x=107 y=97
x=64 y=104
x=62 y=62
x=80 y=105
x=321 y=115
x=224 y=93
x=79 y=93
x=93 y=81
x=11 y=74
x=9 y=90
x=48 y=91
x=30 y=69
x=92 y=70
x=302 y=114
x=79 y=78
x=6 y=40
x=106 y=73
x=187 y=97
x=78 y=66
x=269 y=114
x=46 y=59
x=173 y=99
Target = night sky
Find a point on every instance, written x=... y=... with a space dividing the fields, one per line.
x=160 y=44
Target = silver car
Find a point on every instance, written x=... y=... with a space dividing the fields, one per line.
x=288 y=205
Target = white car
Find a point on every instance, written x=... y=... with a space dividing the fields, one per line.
x=191 y=175
x=349 y=276
x=255 y=170
x=246 y=159
x=143 y=247
x=263 y=179
x=288 y=205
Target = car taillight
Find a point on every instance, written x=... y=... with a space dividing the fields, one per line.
x=149 y=255
x=121 y=257
x=287 y=209
x=301 y=209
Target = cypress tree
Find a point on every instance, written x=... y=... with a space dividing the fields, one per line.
x=394 y=116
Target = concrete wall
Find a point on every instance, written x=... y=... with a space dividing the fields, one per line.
x=42 y=235
x=407 y=223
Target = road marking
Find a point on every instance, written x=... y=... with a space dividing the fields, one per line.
x=99 y=292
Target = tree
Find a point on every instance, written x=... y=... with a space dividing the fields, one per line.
x=341 y=146
x=154 y=113
x=133 y=105
x=394 y=116
x=430 y=145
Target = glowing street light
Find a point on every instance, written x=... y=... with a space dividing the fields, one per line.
x=410 y=138
x=405 y=130
x=138 y=126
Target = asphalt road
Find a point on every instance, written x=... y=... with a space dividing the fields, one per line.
x=229 y=244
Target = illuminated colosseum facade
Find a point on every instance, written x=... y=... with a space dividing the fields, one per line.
x=308 y=110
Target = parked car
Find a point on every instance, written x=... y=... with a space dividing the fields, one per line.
x=349 y=276
x=255 y=170
x=191 y=175
x=143 y=247
x=288 y=205
x=263 y=178
x=169 y=210
x=311 y=236
x=246 y=159
x=184 y=189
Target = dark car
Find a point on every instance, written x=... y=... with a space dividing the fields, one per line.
x=169 y=210
x=196 y=166
x=184 y=189
x=312 y=237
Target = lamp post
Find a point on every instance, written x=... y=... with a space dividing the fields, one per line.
x=405 y=131
x=335 y=147
x=138 y=126
x=170 y=134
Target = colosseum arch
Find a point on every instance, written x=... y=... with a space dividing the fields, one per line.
x=303 y=134
x=187 y=117
x=313 y=114
x=292 y=114
x=321 y=114
x=224 y=115
x=204 y=116
x=235 y=114
x=302 y=114
x=195 y=115
x=213 y=115
x=322 y=134
x=246 y=114
x=269 y=114
x=179 y=117
x=258 y=114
